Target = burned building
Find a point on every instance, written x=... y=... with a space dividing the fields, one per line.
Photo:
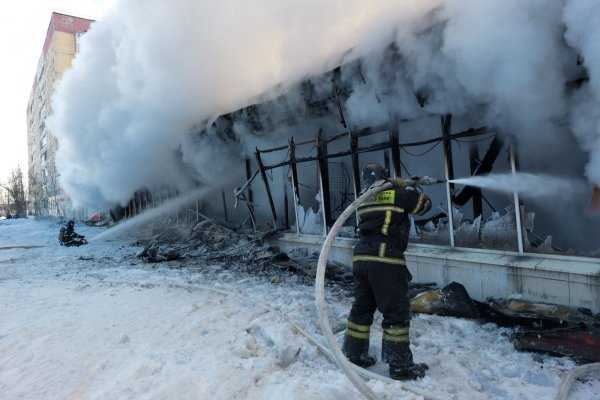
x=294 y=156
x=312 y=150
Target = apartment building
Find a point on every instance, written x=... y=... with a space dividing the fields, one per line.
x=60 y=46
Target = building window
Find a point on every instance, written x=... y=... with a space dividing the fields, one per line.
x=77 y=40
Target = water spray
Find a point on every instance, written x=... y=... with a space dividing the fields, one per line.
x=152 y=213
x=527 y=184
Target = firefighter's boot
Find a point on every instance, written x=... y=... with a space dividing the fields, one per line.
x=395 y=350
x=356 y=345
x=408 y=371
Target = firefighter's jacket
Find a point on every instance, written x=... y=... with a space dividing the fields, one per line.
x=384 y=220
x=70 y=236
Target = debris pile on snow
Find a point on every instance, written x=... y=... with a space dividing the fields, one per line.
x=212 y=241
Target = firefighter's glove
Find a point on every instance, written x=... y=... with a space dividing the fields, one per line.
x=415 y=180
x=398 y=182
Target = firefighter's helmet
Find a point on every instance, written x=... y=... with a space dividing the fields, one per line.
x=372 y=173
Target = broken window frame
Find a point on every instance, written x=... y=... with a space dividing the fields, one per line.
x=393 y=145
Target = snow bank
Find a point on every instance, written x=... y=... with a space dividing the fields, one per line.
x=95 y=322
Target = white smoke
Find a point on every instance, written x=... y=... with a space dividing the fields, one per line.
x=505 y=56
x=148 y=72
x=583 y=33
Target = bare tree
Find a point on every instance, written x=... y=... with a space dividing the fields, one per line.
x=17 y=198
x=36 y=195
x=52 y=192
x=4 y=199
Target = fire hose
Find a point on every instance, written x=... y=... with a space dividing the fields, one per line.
x=352 y=371
x=361 y=371
x=567 y=383
x=564 y=389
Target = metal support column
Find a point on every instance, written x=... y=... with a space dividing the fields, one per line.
x=224 y=204
x=449 y=170
x=386 y=161
x=324 y=180
x=250 y=202
x=248 y=177
x=294 y=177
x=514 y=166
x=286 y=212
x=263 y=174
x=474 y=164
x=355 y=165
x=139 y=205
x=178 y=209
x=394 y=134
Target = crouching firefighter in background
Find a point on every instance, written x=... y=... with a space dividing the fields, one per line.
x=68 y=237
x=381 y=276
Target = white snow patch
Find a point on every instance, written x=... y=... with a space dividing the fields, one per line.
x=94 y=322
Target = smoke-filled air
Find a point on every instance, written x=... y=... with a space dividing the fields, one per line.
x=149 y=73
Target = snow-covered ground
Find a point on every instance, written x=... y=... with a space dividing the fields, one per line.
x=95 y=322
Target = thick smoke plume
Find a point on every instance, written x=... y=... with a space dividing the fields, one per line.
x=149 y=72
x=583 y=34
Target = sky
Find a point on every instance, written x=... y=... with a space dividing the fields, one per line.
x=96 y=322
x=22 y=36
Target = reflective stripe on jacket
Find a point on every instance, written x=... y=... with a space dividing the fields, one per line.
x=383 y=217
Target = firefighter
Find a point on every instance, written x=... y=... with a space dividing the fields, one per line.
x=70 y=237
x=381 y=276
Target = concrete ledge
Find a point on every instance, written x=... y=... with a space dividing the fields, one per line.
x=566 y=280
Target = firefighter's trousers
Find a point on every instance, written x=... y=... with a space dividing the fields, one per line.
x=380 y=282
